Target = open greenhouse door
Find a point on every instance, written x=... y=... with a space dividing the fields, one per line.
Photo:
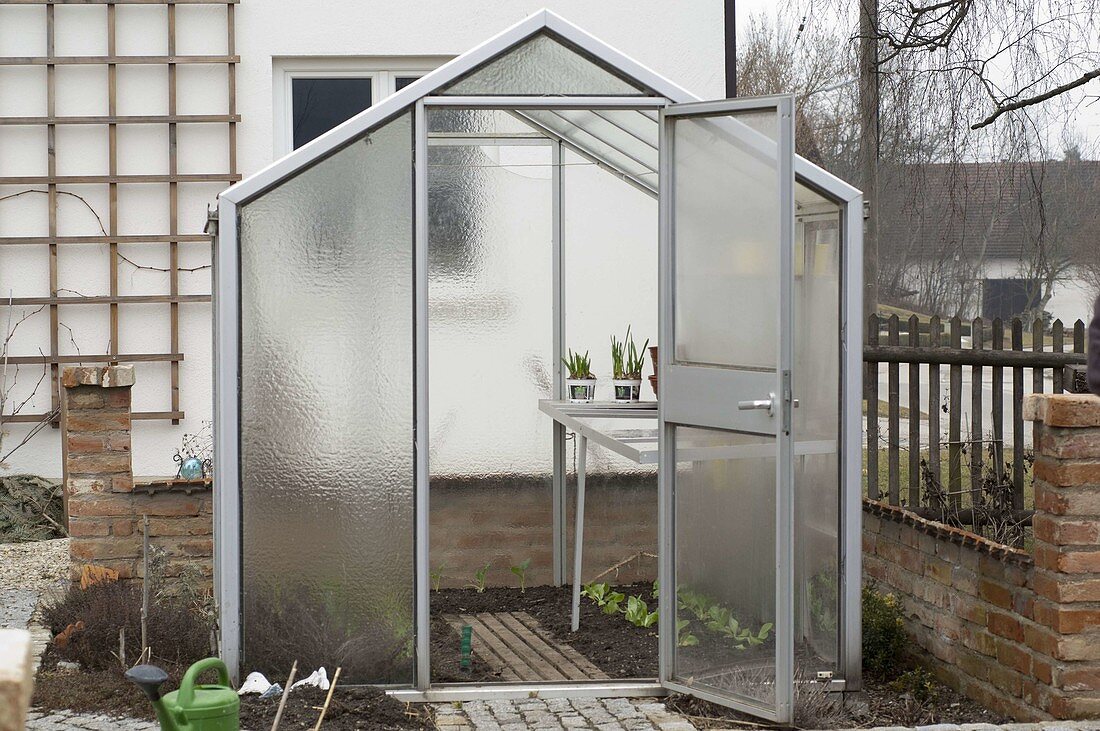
x=727 y=226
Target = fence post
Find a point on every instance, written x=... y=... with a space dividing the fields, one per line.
x=954 y=420
x=1017 y=419
x=894 y=410
x=913 y=498
x=871 y=382
x=935 y=330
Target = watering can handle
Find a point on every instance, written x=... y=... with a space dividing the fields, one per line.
x=186 y=694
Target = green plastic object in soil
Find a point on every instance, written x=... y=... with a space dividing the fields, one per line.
x=467 y=642
x=194 y=707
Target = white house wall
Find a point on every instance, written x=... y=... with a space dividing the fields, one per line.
x=685 y=45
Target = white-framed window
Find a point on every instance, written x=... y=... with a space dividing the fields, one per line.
x=313 y=95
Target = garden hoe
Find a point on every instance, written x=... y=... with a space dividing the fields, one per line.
x=193 y=707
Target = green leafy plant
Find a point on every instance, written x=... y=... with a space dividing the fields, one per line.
x=579 y=366
x=638 y=614
x=437 y=576
x=685 y=639
x=626 y=359
x=918 y=683
x=520 y=570
x=656 y=589
x=478 y=584
x=884 y=636
x=605 y=598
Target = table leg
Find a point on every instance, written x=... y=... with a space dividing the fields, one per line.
x=578 y=531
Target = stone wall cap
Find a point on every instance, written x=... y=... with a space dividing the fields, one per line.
x=116 y=376
x=1063 y=409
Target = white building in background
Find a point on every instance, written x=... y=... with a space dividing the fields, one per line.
x=302 y=68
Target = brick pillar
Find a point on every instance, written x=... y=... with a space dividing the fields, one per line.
x=99 y=477
x=1067 y=552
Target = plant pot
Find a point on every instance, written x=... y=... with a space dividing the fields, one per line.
x=580 y=390
x=627 y=390
x=653 y=382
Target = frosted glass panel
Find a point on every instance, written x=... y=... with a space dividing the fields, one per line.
x=327 y=415
x=543 y=66
x=817 y=385
x=726 y=241
x=725 y=537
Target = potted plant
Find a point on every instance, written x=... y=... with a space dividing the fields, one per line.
x=627 y=361
x=581 y=384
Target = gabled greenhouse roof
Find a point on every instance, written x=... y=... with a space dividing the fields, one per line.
x=542 y=55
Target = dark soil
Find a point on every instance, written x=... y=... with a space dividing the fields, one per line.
x=351 y=708
x=447 y=658
x=609 y=641
x=107 y=691
x=879 y=704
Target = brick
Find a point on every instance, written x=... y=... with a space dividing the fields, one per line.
x=1074 y=707
x=1013 y=656
x=1070 y=443
x=85 y=485
x=1042 y=670
x=180 y=526
x=1005 y=625
x=97 y=421
x=1076 y=500
x=95 y=549
x=974 y=665
x=84 y=398
x=123 y=482
x=80 y=443
x=1066 y=473
x=119 y=442
x=1077 y=678
x=1062 y=531
x=168 y=504
x=100 y=505
x=1073 y=410
x=104 y=462
x=938 y=570
x=74 y=377
x=1067 y=561
x=122 y=528
x=1061 y=588
x=1005 y=679
x=964 y=581
x=117 y=398
x=995 y=593
x=88 y=528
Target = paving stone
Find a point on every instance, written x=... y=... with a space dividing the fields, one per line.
x=939 y=727
x=574 y=722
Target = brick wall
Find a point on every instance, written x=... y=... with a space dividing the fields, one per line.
x=1016 y=631
x=105 y=508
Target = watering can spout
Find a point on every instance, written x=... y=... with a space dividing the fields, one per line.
x=149 y=678
x=194 y=707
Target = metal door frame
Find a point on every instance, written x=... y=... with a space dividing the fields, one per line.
x=784 y=600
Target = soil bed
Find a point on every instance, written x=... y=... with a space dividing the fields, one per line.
x=610 y=642
x=351 y=708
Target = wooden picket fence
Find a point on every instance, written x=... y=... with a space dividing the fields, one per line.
x=925 y=349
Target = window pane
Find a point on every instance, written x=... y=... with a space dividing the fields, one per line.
x=327 y=480
x=321 y=104
x=402 y=81
x=726 y=220
x=543 y=66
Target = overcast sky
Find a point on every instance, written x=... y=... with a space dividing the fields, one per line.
x=1085 y=120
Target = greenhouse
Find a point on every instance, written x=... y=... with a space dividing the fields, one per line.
x=418 y=482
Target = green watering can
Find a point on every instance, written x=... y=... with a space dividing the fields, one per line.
x=193 y=707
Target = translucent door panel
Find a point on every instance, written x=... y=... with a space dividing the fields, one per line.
x=327 y=415
x=725 y=509
x=816 y=431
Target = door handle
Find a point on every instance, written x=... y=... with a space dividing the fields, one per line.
x=767 y=404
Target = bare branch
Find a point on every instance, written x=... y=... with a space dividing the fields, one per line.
x=1037 y=99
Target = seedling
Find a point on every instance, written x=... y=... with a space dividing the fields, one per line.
x=638 y=614
x=606 y=599
x=520 y=570
x=478 y=583
x=579 y=366
x=685 y=639
x=437 y=576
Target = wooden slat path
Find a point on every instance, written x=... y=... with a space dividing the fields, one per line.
x=516 y=646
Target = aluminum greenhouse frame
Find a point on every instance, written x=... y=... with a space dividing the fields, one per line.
x=761 y=400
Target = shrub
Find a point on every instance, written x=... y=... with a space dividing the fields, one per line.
x=917 y=683
x=176 y=634
x=884 y=637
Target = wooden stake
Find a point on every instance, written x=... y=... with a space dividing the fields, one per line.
x=144 y=583
x=286 y=692
x=328 y=698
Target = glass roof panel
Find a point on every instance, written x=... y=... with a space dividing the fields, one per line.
x=606 y=128
x=543 y=66
x=592 y=145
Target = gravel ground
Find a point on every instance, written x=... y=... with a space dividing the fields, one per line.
x=36 y=567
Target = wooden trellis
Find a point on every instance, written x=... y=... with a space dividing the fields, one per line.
x=55 y=183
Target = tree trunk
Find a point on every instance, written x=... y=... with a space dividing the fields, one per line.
x=869 y=147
